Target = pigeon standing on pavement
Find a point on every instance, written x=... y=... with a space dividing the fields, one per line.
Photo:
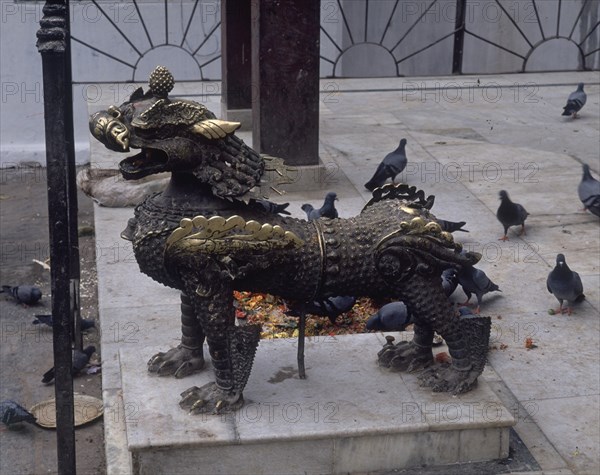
x=86 y=323
x=575 y=101
x=510 y=214
x=565 y=284
x=451 y=226
x=80 y=360
x=392 y=165
x=589 y=191
x=449 y=281
x=27 y=294
x=475 y=281
x=326 y=211
x=13 y=413
x=270 y=207
x=391 y=317
x=331 y=307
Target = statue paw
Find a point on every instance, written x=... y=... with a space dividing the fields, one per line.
x=210 y=399
x=446 y=378
x=178 y=362
x=405 y=356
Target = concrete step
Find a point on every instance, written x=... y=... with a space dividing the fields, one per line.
x=348 y=416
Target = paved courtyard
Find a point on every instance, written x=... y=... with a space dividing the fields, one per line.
x=468 y=138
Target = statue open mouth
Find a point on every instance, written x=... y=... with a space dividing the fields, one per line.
x=147 y=162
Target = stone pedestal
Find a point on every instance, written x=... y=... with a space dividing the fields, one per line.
x=348 y=416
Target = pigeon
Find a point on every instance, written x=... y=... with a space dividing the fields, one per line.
x=575 y=101
x=86 y=324
x=464 y=310
x=565 y=284
x=80 y=360
x=474 y=281
x=510 y=214
x=589 y=191
x=391 y=317
x=331 y=307
x=27 y=294
x=270 y=207
x=451 y=226
x=326 y=211
x=13 y=413
x=449 y=281
x=392 y=164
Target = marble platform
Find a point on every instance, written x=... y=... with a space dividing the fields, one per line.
x=348 y=416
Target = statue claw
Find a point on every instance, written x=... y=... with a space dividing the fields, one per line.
x=152 y=361
x=446 y=378
x=210 y=399
x=178 y=362
x=405 y=356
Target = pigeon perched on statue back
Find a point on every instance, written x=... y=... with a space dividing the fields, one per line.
x=26 y=294
x=451 y=226
x=565 y=284
x=326 y=211
x=392 y=165
x=13 y=413
x=391 y=317
x=270 y=207
x=510 y=214
x=80 y=360
x=589 y=191
x=575 y=102
x=475 y=281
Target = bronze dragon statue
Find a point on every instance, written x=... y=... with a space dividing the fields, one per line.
x=207 y=236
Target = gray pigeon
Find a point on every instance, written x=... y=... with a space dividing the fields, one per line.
x=80 y=360
x=565 y=284
x=510 y=214
x=27 y=294
x=575 y=101
x=270 y=207
x=589 y=191
x=13 y=413
x=392 y=165
x=86 y=323
x=331 y=307
x=326 y=211
x=475 y=281
x=449 y=281
x=451 y=226
x=391 y=317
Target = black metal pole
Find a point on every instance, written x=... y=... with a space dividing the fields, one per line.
x=53 y=37
x=459 y=36
x=72 y=193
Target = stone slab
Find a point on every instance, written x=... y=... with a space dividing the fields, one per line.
x=348 y=415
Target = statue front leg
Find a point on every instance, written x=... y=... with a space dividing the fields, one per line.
x=188 y=357
x=231 y=348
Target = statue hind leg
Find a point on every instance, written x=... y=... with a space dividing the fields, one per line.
x=467 y=337
x=413 y=266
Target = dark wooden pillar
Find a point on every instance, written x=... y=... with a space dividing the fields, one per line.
x=236 y=62
x=459 y=36
x=285 y=79
x=53 y=44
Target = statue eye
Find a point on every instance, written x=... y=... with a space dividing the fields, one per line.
x=115 y=112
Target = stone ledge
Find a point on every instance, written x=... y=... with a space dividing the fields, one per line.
x=345 y=417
